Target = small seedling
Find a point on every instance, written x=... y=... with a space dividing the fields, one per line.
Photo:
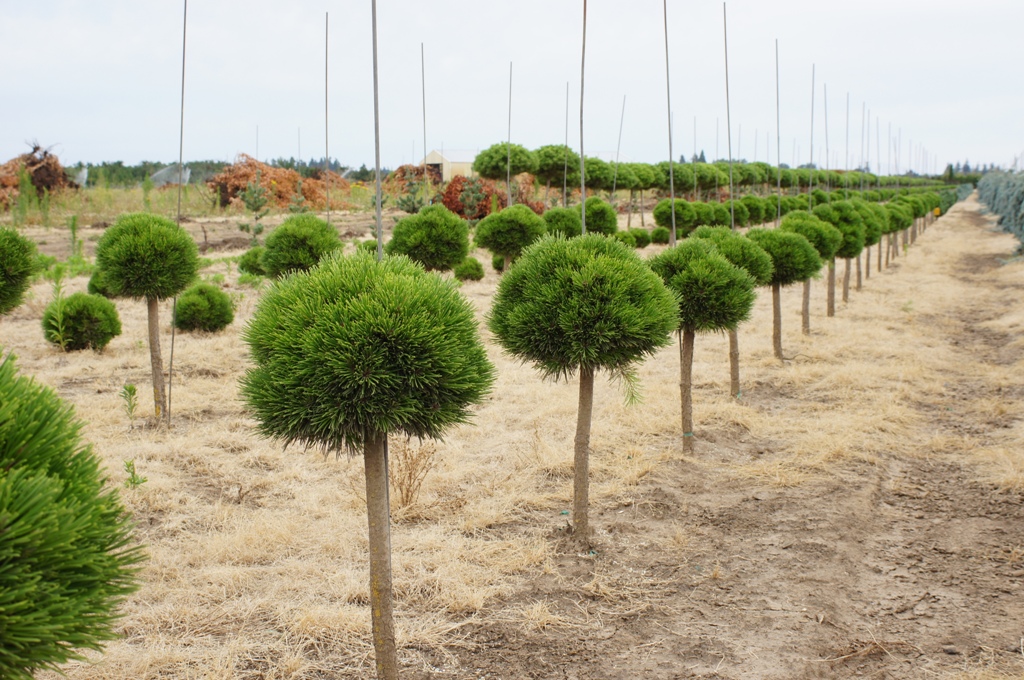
x=133 y=481
x=255 y=199
x=130 y=397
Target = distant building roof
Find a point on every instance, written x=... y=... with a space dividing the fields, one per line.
x=457 y=155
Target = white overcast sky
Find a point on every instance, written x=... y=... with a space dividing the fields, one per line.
x=99 y=80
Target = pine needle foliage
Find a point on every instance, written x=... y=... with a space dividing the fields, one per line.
x=435 y=237
x=740 y=251
x=564 y=221
x=298 y=244
x=251 y=261
x=825 y=238
x=204 y=307
x=17 y=265
x=506 y=233
x=356 y=347
x=844 y=217
x=469 y=269
x=81 y=321
x=601 y=217
x=66 y=555
x=686 y=216
x=587 y=302
x=145 y=256
x=794 y=259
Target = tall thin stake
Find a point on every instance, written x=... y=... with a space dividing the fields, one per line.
x=618 y=146
x=846 y=162
x=508 y=147
x=565 y=155
x=583 y=177
x=181 y=180
x=696 y=195
x=778 y=140
x=728 y=119
x=423 y=80
x=810 y=182
x=376 y=137
x=825 y=99
x=327 y=146
x=863 y=119
x=671 y=158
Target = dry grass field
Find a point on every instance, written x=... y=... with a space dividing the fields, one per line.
x=858 y=511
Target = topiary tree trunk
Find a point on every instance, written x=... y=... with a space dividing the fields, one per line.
x=831 y=301
x=581 y=457
x=686 y=341
x=734 y=363
x=867 y=262
x=155 y=360
x=846 y=279
x=880 y=249
x=777 y=320
x=859 y=272
x=805 y=309
x=378 y=514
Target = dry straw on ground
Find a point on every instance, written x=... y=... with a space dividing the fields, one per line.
x=258 y=556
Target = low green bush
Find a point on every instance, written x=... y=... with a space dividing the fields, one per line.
x=469 y=269
x=564 y=221
x=626 y=237
x=660 y=235
x=98 y=285
x=435 y=237
x=642 y=237
x=498 y=263
x=17 y=265
x=298 y=245
x=251 y=261
x=81 y=321
x=203 y=307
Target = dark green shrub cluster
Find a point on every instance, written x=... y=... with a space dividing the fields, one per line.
x=641 y=236
x=204 y=307
x=81 y=321
x=660 y=235
x=794 y=259
x=17 y=265
x=66 y=559
x=367 y=246
x=740 y=251
x=686 y=216
x=506 y=233
x=844 y=217
x=737 y=208
x=98 y=285
x=251 y=261
x=498 y=263
x=625 y=237
x=145 y=256
x=564 y=221
x=601 y=217
x=298 y=244
x=435 y=237
x=757 y=209
x=469 y=269
x=825 y=238
x=357 y=347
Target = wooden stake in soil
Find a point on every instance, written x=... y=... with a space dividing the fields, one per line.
x=565 y=156
x=671 y=158
x=583 y=175
x=728 y=120
x=376 y=137
x=181 y=180
x=327 y=145
x=508 y=148
x=581 y=457
x=778 y=142
x=618 y=146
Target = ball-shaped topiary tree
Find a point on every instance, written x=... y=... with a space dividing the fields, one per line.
x=738 y=213
x=714 y=295
x=705 y=214
x=794 y=259
x=597 y=176
x=17 y=265
x=873 y=224
x=435 y=237
x=844 y=217
x=721 y=217
x=601 y=217
x=685 y=217
x=506 y=233
x=469 y=269
x=578 y=306
x=81 y=321
x=564 y=221
x=351 y=352
x=502 y=161
x=298 y=244
x=558 y=164
x=251 y=261
x=98 y=286
x=204 y=307
x=641 y=236
x=825 y=238
x=660 y=235
x=67 y=558
x=757 y=209
x=148 y=257
x=625 y=237
x=751 y=258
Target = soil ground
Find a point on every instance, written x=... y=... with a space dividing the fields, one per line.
x=857 y=512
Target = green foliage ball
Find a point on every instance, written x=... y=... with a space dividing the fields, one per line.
x=641 y=236
x=757 y=209
x=714 y=294
x=705 y=214
x=469 y=269
x=367 y=246
x=493 y=162
x=145 y=256
x=498 y=263
x=738 y=209
x=721 y=215
x=98 y=285
x=740 y=251
x=82 y=321
x=686 y=216
x=506 y=233
x=66 y=554
x=564 y=221
x=251 y=261
x=357 y=347
x=298 y=244
x=17 y=265
x=844 y=217
x=794 y=259
x=435 y=237
x=601 y=217
x=825 y=238
x=583 y=302
x=204 y=307
x=625 y=237
x=660 y=235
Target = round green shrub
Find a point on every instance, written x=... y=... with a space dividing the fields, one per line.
x=298 y=244
x=498 y=263
x=704 y=214
x=660 y=235
x=81 y=321
x=844 y=217
x=714 y=294
x=641 y=236
x=601 y=217
x=66 y=554
x=564 y=221
x=686 y=216
x=739 y=209
x=98 y=285
x=740 y=251
x=251 y=261
x=367 y=246
x=469 y=269
x=357 y=347
x=825 y=238
x=17 y=265
x=757 y=209
x=145 y=256
x=721 y=215
x=435 y=237
x=625 y=237
x=204 y=307
x=506 y=233
x=583 y=302
x=873 y=223
x=794 y=259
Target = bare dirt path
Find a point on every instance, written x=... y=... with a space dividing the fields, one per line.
x=909 y=565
